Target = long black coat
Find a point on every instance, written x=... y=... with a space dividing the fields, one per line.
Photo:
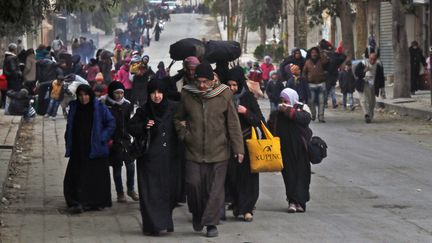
x=416 y=59
x=293 y=130
x=379 y=78
x=121 y=138
x=159 y=169
x=12 y=72
x=242 y=185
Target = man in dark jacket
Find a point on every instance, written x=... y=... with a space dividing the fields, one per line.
x=371 y=79
x=11 y=68
x=296 y=59
x=208 y=123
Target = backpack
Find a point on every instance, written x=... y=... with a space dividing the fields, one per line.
x=317 y=150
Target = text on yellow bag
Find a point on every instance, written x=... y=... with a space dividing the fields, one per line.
x=264 y=154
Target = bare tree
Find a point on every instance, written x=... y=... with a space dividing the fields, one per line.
x=401 y=88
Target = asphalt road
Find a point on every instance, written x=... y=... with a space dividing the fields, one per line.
x=374 y=186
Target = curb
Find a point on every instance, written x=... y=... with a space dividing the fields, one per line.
x=13 y=153
x=399 y=109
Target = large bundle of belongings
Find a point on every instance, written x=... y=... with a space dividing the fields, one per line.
x=222 y=51
x=187 y=47
x=19 y=104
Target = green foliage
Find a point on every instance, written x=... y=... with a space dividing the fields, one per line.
x=316 y=9
x=102 y=19
x=20 y=16
x=274 y=51
x=259 y=11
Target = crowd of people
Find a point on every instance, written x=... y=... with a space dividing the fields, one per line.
x=189 y=145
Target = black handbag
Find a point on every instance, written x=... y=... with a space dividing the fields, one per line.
x=139 y=146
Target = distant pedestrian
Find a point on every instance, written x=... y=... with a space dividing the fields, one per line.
x=75 y=47
x=205 y=129
x=274 y=88
x=161 y=72
x=29 y=73
x=56 y=97
x=121 y=109
x=92 y=69
x=314 y=72
x=139 y=86
x=57 y=45
x=243 y=184
x=89 y=126
x=347 y=85
x=417 y=62
x=295 y=58
x=291 y=123
x=266 y=67
x=123 y=77
x=299 y=84
x=159 y=168
x=255 y=73
x=371 y=79
x=11 y=68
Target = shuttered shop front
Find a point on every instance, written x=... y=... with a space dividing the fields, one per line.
x=386 y=44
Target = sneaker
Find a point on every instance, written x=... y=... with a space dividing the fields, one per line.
x=299 y=209
x=121 y=198
x=292 y=208
x=53 y=118
x=335 y=106
x=46 y=116
x=212 y=231
x=133 y=195
x=322 y=121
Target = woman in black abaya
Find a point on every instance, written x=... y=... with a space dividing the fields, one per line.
x=159 y=169
x=89 y=126
x=243 y=186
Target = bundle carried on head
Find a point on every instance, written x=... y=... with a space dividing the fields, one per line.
x=187 y=47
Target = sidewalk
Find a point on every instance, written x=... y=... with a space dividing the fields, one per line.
x=418 y=106
x=9 y=126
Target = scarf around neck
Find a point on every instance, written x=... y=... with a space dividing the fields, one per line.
x=208 y=94
x=112 y=101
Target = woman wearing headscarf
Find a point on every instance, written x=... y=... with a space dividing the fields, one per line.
x=121 y=109
x=291 y=123
x=89 y=127
x=158 y=169
x=243 y=186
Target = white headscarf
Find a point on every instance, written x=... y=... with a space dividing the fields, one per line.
x=290 y=95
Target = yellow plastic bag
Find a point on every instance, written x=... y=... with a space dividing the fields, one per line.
x=264 y=154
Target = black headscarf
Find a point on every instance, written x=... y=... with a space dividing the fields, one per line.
x=236 y=74
x=158 y=110
x=88 y=90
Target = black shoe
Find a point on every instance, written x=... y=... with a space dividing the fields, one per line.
x=322 y=121
x=367 y=119
x=75 y=210
x=335 y=106
x=212 y=231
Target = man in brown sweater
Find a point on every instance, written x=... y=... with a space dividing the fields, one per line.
x=208 y=123
x=314 y=72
